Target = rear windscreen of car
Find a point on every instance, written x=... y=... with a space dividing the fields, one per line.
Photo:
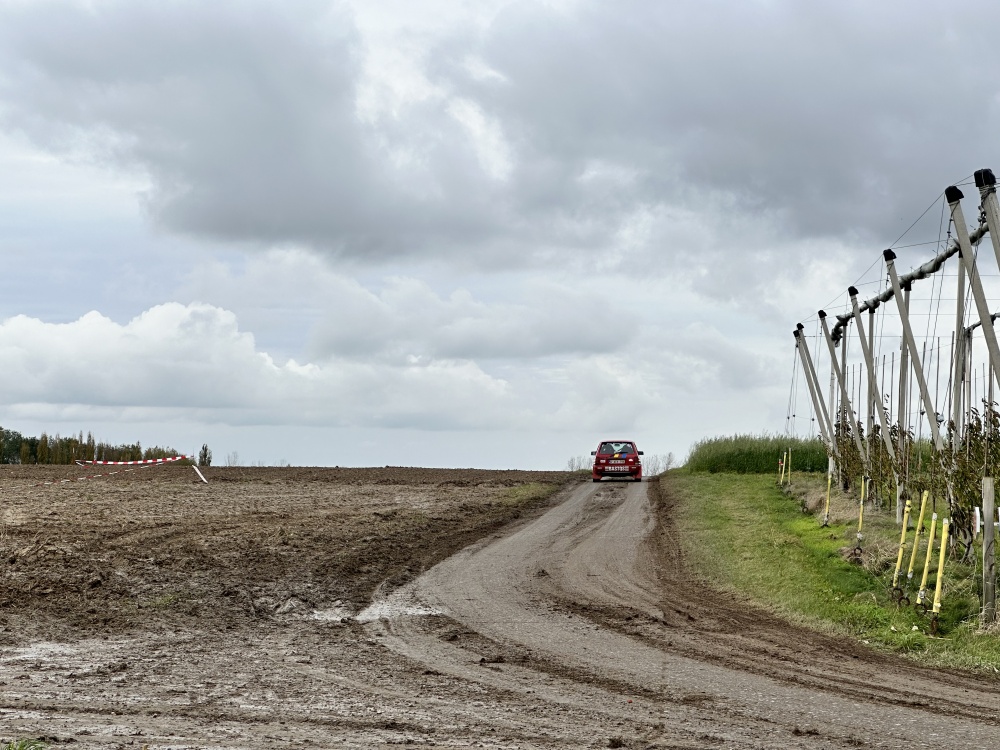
x=608 y=449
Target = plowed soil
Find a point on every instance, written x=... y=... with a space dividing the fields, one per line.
x=384 y=607
x=155 y=547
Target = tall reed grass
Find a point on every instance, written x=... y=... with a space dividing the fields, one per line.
x=755 y=454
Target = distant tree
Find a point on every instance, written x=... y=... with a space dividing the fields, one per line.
x=658 y=463
x=16 y=448
x=158 y=452
x=205 y=456
x=10 y=446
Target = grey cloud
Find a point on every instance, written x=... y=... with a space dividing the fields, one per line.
x=841 y=118
x=821 y=119
x=700 y=358
x=409 y=321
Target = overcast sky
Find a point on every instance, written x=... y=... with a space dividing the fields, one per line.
x=457 y=233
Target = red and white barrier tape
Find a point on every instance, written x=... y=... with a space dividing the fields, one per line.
x=135 y=464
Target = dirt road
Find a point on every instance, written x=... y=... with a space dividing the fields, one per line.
x=590 y=605
x=578 y=627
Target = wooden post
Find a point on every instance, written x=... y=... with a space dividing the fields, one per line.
x=989 y=560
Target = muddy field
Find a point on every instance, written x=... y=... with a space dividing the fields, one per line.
x=386 y=607
x=156 y=548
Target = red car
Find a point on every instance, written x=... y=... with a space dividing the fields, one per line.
x=617 y=458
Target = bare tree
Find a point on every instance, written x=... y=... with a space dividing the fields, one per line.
x=658 y=463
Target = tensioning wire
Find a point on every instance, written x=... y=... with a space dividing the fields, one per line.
x=791 y=394
x=917 y=220
x=895 y=245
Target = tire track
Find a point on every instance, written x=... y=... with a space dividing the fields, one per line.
x=597 y=592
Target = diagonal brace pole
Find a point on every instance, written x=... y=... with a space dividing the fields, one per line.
x=870 y=366
x=845 y=399
x=911 y=345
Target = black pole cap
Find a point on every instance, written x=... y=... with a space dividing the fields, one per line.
x=985 y=178
x=853 y=291
x=799 y=327
x=888 y=255
x=796 y=333
x=822 y=314
x=952 y=194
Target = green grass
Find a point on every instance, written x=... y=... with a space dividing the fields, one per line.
x=24 y=744
x=755 y=454
x=747 y=536
x=529 y=492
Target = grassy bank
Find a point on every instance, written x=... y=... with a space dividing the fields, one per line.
x=755 y=454
x=746 y=535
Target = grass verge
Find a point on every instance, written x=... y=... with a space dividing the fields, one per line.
x=746 y=535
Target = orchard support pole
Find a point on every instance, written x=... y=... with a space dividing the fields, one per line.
x=897 y=592
x=845 y=400
x=958 y=386
x=819 y=405
x=904 y=378
x=916 y=536
x=922 y=591
x=989 y=558
x=870 y=424
x=987 y=185
x=939 y=585
x=911 y=343
x=870 y=366
x=826 y=511
x=954 y=196
x=861 y=520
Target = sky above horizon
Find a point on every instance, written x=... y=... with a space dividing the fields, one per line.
x=484 y=234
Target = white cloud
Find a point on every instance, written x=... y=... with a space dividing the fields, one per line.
x=194 y=359
x=487 y=138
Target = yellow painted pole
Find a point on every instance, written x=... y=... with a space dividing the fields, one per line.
x=781 y=467
x=940 y=570
x=944 y=551
x=829 y=484
x=861 y=515
x=789 y=467
x=922 y=592
x=916 y=535
x=902 y=546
